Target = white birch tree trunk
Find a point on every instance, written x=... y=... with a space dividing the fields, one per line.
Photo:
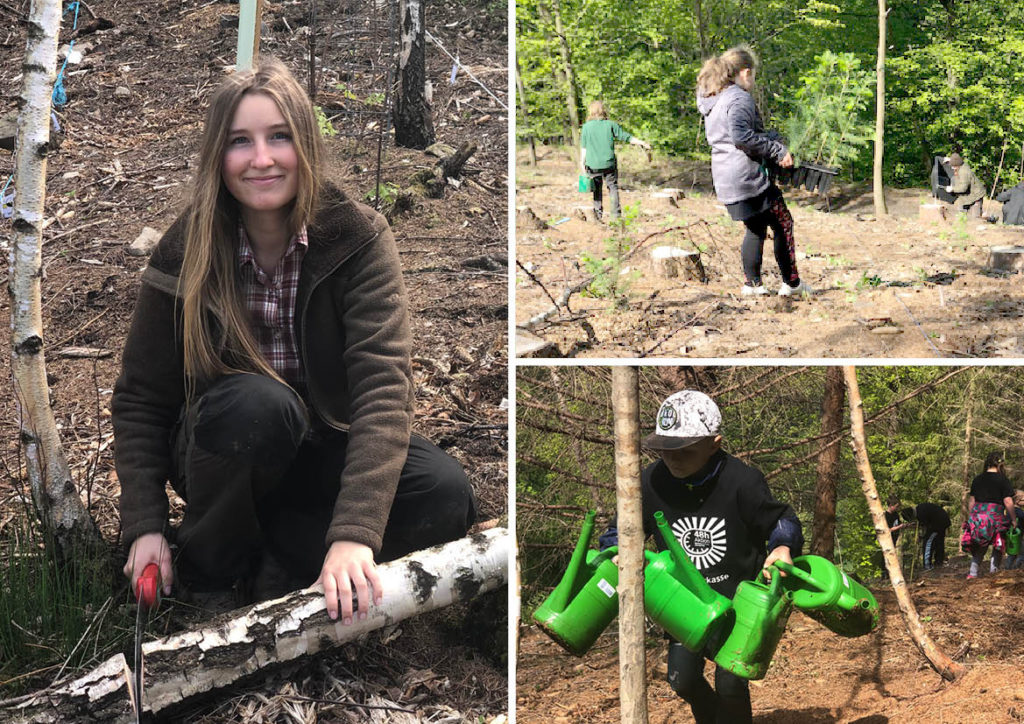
x=946 y=667
x=632 y=655
x=53 y=491
x=239 y=643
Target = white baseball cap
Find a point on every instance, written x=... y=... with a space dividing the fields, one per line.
x=683 y=419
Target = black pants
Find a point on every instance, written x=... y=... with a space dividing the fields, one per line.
x=933 y=546
x=778 y=218
x=727 y=703
x=256 y=479
x=609 y=176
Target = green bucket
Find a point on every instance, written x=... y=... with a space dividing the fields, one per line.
x=586 y=600
x=828 y=595
x=761 y=613
x=585 y=183
x=677 y=597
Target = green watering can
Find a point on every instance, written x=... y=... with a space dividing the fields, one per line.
x=584 y=185
x=761 y=612
x=1013 y=542
x=586 y=600
x=828 y=595
x=677 y=597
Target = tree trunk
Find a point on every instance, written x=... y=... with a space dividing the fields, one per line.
x=632 y=656
x=824 y=528
x=878 y=187
x=521 y=92
x=572 y=94
x=965 y=495
x=238 y=644
x=53 y=491
x=948 y=668
x=414 y=127
x=698 y=10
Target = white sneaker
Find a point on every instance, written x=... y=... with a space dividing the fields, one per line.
x=802 y=289
x=758 y=291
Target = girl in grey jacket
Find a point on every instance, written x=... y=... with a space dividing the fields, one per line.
x=740 y=150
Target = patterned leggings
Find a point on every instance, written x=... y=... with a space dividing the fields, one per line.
x=777 y=217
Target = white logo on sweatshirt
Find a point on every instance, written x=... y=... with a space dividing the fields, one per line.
x=703 y=539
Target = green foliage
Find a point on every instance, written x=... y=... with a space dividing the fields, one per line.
x=609 y=281
x=953 y=76
x=323 y=123
x=387 y=192
x=46 y=609
x=831 y=123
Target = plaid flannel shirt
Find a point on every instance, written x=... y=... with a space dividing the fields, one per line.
x=270 y=299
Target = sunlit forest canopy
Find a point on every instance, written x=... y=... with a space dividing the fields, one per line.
x=954 y=80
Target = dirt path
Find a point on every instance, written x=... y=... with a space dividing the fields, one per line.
x=817 y=676
x=890 y=287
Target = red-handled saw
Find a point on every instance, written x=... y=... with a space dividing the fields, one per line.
x=147 y=593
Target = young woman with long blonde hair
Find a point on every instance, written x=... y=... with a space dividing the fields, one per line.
x=267 y=375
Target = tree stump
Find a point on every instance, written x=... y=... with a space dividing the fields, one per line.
x=671 y=262
x=1006 y=258
x=527 y=219
x=933 y=211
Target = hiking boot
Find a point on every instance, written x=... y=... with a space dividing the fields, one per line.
x=803 y=289
x=752 y=291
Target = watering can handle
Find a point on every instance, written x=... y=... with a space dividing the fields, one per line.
x=797 y=573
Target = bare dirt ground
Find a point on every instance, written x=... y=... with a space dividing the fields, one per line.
x=125 y=163
x=885 y=287
x=818 y=677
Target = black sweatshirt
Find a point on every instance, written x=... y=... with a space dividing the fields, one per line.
x=726 y=525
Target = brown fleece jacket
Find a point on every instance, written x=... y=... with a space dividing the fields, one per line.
x=352 y=328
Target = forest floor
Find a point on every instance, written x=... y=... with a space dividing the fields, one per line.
x=130 y=130
x=884 y=287
x=818 y=677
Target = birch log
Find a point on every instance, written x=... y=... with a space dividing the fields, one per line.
x=948 y=668
x=238 y=644
x=632 y=629
x=53 y=491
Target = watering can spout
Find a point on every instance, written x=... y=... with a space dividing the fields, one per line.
x=570 y=583
x=684 y=570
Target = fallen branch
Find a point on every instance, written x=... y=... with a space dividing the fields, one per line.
x=579 y=286
x=238 y=644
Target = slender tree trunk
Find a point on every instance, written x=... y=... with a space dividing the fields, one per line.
x=698 y=11
x=414 y=127
x=878 y=187
x=824 y=528
x=948 y=668
x=521 y=92
x=632 y=656
x=965 y=494
x=572 y=95
x=192 y=663
x=53 y=491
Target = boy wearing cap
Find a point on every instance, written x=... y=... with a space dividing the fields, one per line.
x=727 y=521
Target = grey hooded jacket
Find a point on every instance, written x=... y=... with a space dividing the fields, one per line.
x=739 y=144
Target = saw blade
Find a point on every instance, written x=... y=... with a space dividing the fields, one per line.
x=137 y=693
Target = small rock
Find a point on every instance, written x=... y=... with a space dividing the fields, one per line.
x=145 y=242
x=122 y=91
